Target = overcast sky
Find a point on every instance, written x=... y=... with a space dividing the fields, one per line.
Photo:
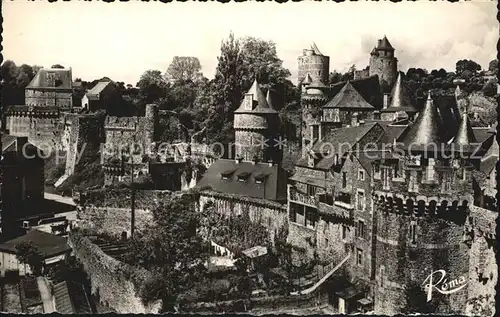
x=122 y=40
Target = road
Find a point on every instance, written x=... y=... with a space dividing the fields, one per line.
x=59 y=199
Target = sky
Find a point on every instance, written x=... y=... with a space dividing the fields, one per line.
x=122 y=40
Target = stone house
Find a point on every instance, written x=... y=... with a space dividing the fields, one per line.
x=50 y=88
x=100 y=96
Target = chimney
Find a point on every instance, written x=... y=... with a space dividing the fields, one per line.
x=386 y=100
x=354 y=119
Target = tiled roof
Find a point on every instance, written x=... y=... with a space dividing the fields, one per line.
x=348 y=97
x=481 y=134
x=52 y=78
x=392 y=132
x=426 y=129
x=301 y=175
x=273 y=186
x=400 y=98
x=368 y=87
x=48 y=244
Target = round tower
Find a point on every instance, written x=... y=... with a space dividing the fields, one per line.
x=421 y=203
x=256 y=128
x=383 y=63
x=315 y=64
x=311 y=101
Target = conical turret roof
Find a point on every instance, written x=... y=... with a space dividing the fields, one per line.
x=315 y=49
x=259 y=98
x=384 y=44
x=400 y=99
x=269 y=99
x=427 y=128
x=316 y=83
x=465 y=135
x=307 y=80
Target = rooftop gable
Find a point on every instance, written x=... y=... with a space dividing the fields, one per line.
x=348 y=97
x=52 y=78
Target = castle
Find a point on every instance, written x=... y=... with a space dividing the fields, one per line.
x=383 y=193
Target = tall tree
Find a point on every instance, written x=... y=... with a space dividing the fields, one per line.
x=184 y=68
x=172 y=250
x=28 y=254
x=464 y=65
x=57 y=66
x=152 y=86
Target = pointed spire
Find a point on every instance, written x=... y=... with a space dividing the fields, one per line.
x=400 y=99
x=465 y=135
x=427 y=127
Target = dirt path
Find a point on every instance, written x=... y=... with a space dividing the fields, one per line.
x=48 y=303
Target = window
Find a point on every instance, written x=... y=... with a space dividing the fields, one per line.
x=359 y=256
x=311 y=190
x=361 y=199
x=360 y=229
x=397 y=171
x=413 y=233
x=412 y=185
x=430 y=169
x=344 y=179
x=376 y=171
x=242 y=177
x=293 y=212
x=464 y=174
x=315 y=132
x=344 y=232
x=310 y=217
x=361 y=175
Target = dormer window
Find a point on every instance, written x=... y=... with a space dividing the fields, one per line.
x=260 y=178
x=242 y=177
x=227 y=174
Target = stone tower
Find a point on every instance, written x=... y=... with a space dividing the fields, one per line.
x=383 y=63
x=312 y=100
x=151 y=124
x=315 y=64
x=421 y=203
x=256 y=128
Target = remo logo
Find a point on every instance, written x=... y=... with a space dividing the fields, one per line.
x=437 y=281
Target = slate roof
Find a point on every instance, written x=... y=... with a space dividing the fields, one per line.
x=62 y=77
x=465 y=135
x=400 y=98
x=426 y=129
x=384 y=44
x=48 y=244
x=93 y=94
x=70 y=298
x=302 y=176
x=392 y=132
x=368 y=87
x=340 y=141
x=273 y=186
x=488 y=164
x=348 y=97
x=261 y=103
x=7 y=141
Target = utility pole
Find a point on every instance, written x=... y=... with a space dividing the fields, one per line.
x=132 y=209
